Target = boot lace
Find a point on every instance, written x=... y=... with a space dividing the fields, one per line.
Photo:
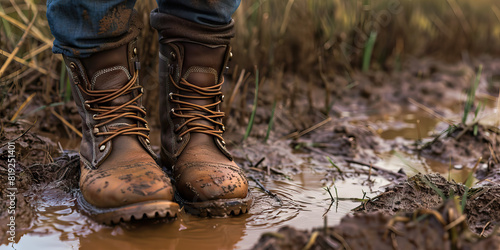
x=106 y=114
x=192 y=112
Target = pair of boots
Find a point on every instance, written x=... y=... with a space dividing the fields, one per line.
x=121 y=178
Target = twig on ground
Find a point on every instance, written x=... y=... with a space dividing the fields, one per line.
x=398 y=175
x=266 y=190
x=15 y=139
x=484 y=229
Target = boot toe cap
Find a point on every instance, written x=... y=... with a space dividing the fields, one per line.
x=208 y=181
x=125 y=185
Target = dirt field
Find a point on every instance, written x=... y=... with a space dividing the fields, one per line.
x=374 y=118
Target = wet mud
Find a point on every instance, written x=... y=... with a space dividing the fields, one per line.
x=377 y=152
x=461 y=145
x=441 y=228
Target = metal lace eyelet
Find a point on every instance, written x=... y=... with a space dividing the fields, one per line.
x=174 y=57
x=102 y=148
x=171 y=95
x=94 y=116
x=230 y=55
x=223 y=142
x=147 y=141
x=87 y=106
x=222 y=98
x=96 y=130
x=172 y=111
x=72 y=65
x=135 y=51
x=141 y=90
x=223 y=128
x=179 y=139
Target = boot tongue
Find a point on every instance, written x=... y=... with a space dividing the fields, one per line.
x=201 y=65
x=113 y=78
x=201 y=76
x=110 y=78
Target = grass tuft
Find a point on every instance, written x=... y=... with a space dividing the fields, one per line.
x=471 y=95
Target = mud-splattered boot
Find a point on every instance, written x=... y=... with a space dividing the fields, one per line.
x=207 y=180
x=120 y=180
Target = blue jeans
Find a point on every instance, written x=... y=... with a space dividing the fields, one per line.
x=83 y=27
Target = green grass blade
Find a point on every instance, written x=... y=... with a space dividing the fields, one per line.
x=407 y=163
x=471 y=95
x=436 y=189
x=369 y=50
x=334 y=165
x=464 y=199
x=254 y=108
x=62 y=86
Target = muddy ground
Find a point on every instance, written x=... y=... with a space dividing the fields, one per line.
x=427 y=210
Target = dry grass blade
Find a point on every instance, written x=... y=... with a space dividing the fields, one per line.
x=19 y=12
x=296 y=135
x=286 y=18
x=29 y=64
x=18 y=46
x=342 y=240
x=460 y=16
x=436 y=214
x=430 y=111
x=37 y=51
x=33 y=31
x=66 y=122
x=496 y=11
x=20 y=110
x=235 y=91
x=312 y=240
x=455 y=222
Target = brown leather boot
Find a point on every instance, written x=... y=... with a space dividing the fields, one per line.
x=208 y=182
x=119 y=179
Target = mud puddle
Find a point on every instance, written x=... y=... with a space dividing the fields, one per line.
x=296 y=177
x=301 y=202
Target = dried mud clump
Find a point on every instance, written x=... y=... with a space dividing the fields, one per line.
x=413 y=194
x=443 y=228
x=343 y=140
x=482 y=208
x=461 y=145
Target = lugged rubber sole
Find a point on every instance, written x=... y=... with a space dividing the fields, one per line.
x=217 y=208
x=137 y=211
